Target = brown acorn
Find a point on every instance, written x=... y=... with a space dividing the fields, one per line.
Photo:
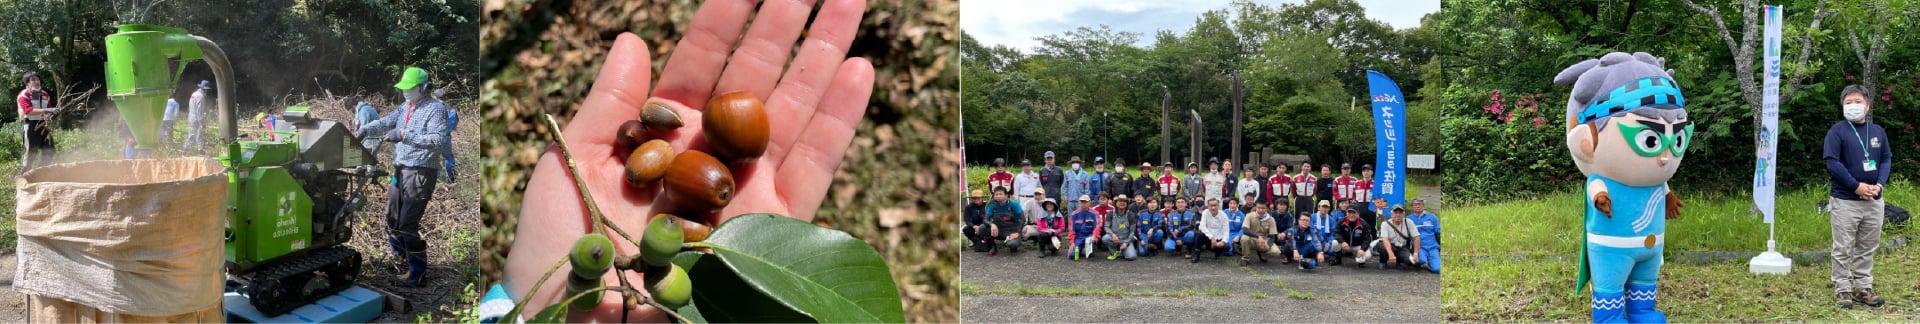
x=649 y=162
x=630 y=134
x=692 y=231
x=735 y=124
x=658 y=117
x=696 y=182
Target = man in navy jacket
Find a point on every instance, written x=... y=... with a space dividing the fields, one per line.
x=1858 y=158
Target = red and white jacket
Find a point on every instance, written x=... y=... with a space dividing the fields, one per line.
x=1001 y=179
x=1279 y=188
x=1169 y=185
x=1303 y=184
x=1343 y=187
x=32 y=103
x=1363 y=191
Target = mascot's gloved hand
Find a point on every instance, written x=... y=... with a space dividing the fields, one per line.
x=1604 y=203
x=1673 y=205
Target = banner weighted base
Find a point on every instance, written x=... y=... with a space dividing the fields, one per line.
x=1770 y=262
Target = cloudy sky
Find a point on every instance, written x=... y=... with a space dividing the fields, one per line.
x=1017 y=22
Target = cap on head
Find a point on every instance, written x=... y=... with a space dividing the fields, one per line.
x=1049 y=154
x=206 y=84
x=1098 y=159
x=413 y=77
x=1346 y=165
x=1324 y=203
x=1398 y=208
x=1075 y=159
x=999 y=161
x=976 y=193
x=1039 y=192
x=1026 y=162
x=1146 y=165
x=1121 y=198
x=1085 y=198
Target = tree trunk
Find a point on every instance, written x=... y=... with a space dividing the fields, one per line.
x=1742 y=49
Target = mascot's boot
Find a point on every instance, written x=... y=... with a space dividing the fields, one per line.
x=1609 y=307
x=1640 y=305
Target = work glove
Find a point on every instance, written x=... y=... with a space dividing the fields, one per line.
x=394 y=136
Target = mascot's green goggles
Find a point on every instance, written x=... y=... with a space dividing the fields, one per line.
x=1645 y=92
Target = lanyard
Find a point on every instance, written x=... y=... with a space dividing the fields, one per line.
x=410 y=108
x=1863 y=142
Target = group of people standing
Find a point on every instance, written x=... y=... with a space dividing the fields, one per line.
x=1249 y=216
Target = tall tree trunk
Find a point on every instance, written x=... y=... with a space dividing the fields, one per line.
x=1870 y=54
x=1743 y=55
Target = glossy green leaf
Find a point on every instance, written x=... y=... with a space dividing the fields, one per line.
x=556 y=313
x=691 y=311
x=820 y=272
x=720 y=296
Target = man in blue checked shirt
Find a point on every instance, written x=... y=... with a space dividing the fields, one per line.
x=416 y=129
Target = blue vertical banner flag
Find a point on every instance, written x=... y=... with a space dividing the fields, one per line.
x=1389 y=138
x=1764 y=165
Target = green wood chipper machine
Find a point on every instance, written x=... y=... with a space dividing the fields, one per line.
x=290 y=196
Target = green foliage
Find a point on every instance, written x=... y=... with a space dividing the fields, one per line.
x=463 y=312
x=1094 y=91
x=772 y=267
x=1515 y=47
x=278 y=48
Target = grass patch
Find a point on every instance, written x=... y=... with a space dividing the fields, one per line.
x=1546 y=234
x=1277 y=283
x=1296 y=294
x=1079 y=291
x=1257 y=294
x=1553 y=224
x=1502 y=290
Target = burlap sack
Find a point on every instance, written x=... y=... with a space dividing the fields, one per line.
x=132 y=237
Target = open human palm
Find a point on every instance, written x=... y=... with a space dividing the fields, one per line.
x=814 y=103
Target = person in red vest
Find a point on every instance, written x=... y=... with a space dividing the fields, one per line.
x=36 y=106
x=1169 y=184
x=1279 y=187
x=1363 y=189
x=1343 y=185
x=1000 y=177
x=1303 y=187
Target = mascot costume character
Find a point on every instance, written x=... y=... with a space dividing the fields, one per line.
x=1627 y=129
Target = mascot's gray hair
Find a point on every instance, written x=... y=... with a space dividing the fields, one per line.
x=1593 y=78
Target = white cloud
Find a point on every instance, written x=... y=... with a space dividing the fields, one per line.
x=1017 y=23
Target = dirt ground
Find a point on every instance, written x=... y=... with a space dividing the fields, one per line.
x=450 y=226
x=1339 y=293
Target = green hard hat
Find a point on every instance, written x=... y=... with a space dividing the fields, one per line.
x=411 y=78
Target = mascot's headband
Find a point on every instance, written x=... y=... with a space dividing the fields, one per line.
x=1653 y=91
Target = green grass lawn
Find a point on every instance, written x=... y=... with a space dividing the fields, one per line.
x=1552 y=225
x=1513 y=261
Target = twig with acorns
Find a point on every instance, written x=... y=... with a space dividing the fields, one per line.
x=696 y=184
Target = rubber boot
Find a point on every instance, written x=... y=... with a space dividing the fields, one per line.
x=1641 y=302
x=1609 y=307
x=416 y=264
x=393 y=246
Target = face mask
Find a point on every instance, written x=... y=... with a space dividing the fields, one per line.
x=1076 y=166
x=1856 y=112
x=411 y=94
x=1119 y=170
